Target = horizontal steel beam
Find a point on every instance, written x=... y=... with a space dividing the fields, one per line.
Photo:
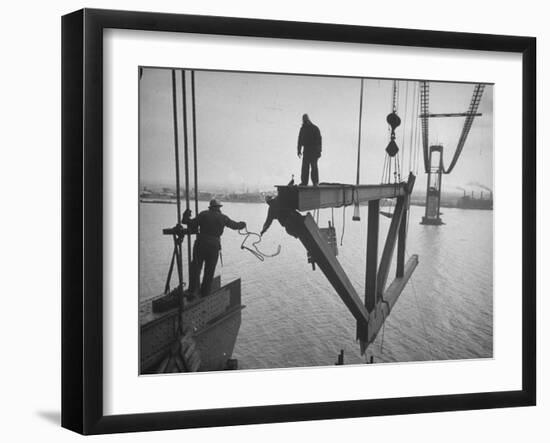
x=306 y=198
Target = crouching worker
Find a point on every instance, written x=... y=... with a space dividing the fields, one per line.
x=289 y=219
x=209 y=226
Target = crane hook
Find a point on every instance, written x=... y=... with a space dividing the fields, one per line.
x=394 y=121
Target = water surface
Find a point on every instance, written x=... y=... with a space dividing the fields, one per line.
x=293 y=316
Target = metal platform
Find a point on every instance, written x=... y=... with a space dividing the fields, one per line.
x=334 y=195
x=214 y=321
x=379 y=300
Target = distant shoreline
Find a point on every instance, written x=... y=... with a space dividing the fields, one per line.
x=173 y=202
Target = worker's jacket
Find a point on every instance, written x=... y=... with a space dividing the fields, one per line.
x=210 y=225
x=285 y=216
x=310 y=139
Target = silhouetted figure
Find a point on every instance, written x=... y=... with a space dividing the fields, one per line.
x=310 y=139
x=210 y=225
x=284 y=215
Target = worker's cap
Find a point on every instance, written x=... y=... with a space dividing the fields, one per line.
x=215 y=203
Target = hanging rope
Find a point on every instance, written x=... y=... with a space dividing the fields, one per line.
x=177 y=245
x=405 y=121
x=176 y=145
x=186 y=161
x=392 y=150
x=256 y=251
x=391 y=173
x=195 y=160
x=397 y=172
x=417 y=134
x=356 y=213
x=359 y=134
x=343 y=225
x=382 y=179
x=413 y=127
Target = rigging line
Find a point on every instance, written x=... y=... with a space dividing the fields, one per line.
x=256 y=251
x=195 y=174
x=395 y=101
x=411 y=129
x=397 y=178
x=384 y=169
x=391 y=96
x=405 y=120
x=343 y=225
x=175 y=115
x=170 y=270
x=178 y=198
x=417 y=135
x=416 y=129
x=359 y=135
x=186 y=154
x=387 y=169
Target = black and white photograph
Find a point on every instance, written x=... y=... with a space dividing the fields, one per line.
x=293 y=221
x=275 y=222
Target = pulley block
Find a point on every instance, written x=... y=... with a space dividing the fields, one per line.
x=393 y=120
x=392 y=148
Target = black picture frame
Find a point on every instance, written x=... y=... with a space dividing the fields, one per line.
x=82 y=220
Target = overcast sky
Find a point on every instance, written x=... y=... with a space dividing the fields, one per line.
x=247 y=129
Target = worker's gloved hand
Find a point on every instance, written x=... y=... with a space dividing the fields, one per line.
x=299 y=155
x=242 y=225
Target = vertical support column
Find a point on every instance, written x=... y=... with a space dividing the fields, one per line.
x=389 y=246
x=428 y=184
x=402 y=240
x=372 y=254
x=440 y=170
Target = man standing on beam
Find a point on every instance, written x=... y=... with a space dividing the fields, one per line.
x=310 y=139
